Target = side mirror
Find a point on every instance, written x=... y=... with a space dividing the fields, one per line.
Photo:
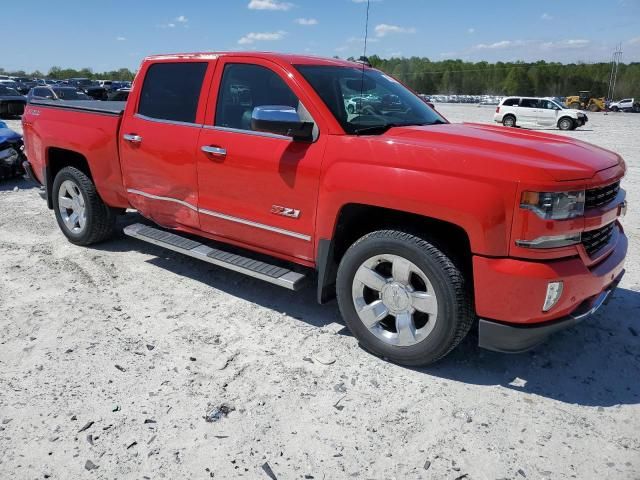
x=281 y=120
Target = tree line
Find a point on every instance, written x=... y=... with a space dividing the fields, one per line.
x=540 y=79
x=459 y=77
x=59 y=73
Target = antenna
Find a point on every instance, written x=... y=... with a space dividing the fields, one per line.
x=363 y=59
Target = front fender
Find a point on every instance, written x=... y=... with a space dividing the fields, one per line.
x=482 y=208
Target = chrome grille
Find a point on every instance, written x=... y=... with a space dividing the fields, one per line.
x=596 y=197
x=594 y=240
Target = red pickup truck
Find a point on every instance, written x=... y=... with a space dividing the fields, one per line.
x=420 y=227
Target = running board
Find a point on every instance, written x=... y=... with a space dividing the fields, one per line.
x=247 y=266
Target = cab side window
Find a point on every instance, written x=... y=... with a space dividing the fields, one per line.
x=171 y=91
x=246 y=86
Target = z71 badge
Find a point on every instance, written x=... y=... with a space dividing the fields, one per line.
x=285 y=211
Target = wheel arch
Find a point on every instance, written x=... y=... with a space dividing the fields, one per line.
x=355 y=220
x=58 y=158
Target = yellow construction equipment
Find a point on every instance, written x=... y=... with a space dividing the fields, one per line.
x=584 y=101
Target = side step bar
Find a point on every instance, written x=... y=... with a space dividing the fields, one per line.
x=247 y=266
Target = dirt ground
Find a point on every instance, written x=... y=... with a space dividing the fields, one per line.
x=111 y=358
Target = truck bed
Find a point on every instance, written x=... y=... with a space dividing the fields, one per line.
x=87 y=128
x=95 y=106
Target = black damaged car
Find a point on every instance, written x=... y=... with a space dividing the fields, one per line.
x=12 y=103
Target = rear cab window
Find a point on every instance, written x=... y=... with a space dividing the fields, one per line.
x=171 y=91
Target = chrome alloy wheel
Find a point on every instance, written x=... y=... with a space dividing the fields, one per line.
x=71 y=205
x=395 y=300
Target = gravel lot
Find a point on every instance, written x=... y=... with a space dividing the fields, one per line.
x=114 y=355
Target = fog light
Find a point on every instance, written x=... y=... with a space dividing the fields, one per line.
x=554 y=291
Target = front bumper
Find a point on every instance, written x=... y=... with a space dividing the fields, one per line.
x=501 y=337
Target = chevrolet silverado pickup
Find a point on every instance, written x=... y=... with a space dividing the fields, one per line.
x=421 y=228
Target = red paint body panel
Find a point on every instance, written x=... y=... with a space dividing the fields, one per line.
x=469 y=175
x=513 y=291
x=92 y=135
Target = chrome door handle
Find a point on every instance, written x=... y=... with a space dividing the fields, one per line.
x=131 y=137
x=220 y=152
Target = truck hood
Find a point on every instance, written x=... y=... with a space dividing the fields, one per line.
x=562 y=158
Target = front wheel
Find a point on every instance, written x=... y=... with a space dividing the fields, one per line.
x=403 y=298
x=565 y=123
x=81 y=214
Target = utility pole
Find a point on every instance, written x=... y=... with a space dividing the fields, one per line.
x=613 y=75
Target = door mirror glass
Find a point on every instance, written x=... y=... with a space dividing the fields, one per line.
x=281 y=120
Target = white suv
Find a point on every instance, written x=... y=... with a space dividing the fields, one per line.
x=537 y=112
x=627 y=104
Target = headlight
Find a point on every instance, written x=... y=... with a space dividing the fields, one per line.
x=554 y=205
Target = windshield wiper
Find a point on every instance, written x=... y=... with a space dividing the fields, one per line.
x=375 y=128
x=386 y=126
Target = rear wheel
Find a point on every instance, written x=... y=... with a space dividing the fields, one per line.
x=403 y=298
x=351 y=109
x=509 y=121
x=594 y=108
x=614 y=109
x=81 y=214
x=565 y=123
x=575 y=105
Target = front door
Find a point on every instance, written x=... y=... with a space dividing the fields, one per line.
x=158 y=142
x=256 y=188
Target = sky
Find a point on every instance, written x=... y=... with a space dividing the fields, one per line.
x=108 y=35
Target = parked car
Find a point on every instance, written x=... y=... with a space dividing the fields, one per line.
x=11 y=152
x=23 y=85
x=537 y=112
x=55 y=92
x=120 y=95
x=359 y=103
x=625 y=105
x=90 y=87
x=426 y=99
x=11 y=102
x=419 y=226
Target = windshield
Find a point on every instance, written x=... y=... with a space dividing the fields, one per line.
x=367 y=102
x=8 y=92
x=70 y=94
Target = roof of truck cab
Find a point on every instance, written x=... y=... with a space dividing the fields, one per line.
x=282 y=57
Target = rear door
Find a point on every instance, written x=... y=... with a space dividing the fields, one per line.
x=158 y=139
x=257 y=188
x=528 y=112
x=548 y=113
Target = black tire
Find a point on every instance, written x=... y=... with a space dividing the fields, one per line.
x=509 y=121
x=575 y=106
x=614 y=109
x=100 y=218
x=454 y=308
x=351 y=109
x=566 y=123
x=594 y=108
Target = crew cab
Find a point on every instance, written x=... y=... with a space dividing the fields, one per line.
x=537 y=112
x=420 y=227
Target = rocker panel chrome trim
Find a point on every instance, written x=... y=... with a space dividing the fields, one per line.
x=211 y=213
